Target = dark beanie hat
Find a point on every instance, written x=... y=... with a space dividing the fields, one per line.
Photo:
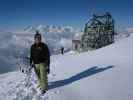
x=37 y=35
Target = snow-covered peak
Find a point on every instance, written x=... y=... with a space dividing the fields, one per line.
x=30 y=29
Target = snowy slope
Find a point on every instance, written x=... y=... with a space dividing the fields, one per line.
x=104 y=74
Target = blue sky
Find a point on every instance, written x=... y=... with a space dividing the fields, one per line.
x=21 y=13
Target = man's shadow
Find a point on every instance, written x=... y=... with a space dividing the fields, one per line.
x=79 y=76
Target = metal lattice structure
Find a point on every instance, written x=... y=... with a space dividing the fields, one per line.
x=98 y=32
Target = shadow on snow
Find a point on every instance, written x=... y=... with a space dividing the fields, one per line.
x=79 y=76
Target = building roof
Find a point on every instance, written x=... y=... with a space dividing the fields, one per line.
x=76 y=41
x=78 y=36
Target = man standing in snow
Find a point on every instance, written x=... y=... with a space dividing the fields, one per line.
x=62 y=50
x=40 y=58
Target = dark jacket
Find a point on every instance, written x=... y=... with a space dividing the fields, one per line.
x=40 y=54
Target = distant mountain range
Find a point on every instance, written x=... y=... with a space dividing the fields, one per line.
x=51 y=29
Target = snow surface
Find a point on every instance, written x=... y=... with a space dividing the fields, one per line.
x=103 y=74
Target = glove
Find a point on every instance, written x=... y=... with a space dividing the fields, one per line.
x=48 y=70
